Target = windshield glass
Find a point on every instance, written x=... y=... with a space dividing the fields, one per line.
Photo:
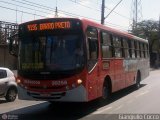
x=51 y=52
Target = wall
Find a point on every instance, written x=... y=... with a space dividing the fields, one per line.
x=7 y=60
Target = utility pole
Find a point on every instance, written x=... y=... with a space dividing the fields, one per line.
x=137 y=14
x=135 y=11
x=102 y=12
x=56 y=11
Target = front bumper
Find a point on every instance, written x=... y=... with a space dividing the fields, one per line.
x=78 y=94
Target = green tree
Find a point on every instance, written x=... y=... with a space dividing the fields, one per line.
x=149 y=29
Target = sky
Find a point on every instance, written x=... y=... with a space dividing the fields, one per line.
x=20 y=11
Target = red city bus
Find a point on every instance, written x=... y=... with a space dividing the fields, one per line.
x=77 y=60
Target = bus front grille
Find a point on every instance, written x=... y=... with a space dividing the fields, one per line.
x=47 y=88
x=44 y=96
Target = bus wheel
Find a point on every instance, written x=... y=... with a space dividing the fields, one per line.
x=106 y=92
x=138 y=80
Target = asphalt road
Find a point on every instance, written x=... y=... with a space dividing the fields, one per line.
x=145 y=101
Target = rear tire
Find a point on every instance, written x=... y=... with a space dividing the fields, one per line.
x=138 y=80
x=11 y=94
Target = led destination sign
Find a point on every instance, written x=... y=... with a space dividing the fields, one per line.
x=49 y=26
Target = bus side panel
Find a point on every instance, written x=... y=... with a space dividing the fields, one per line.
x=93 y=78
x=107 y=69
x=130 y=67
x=119 y=80
x=115 y=70
x=143 y=66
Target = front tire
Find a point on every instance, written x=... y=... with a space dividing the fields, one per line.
x=106 y=92
x=11 y=94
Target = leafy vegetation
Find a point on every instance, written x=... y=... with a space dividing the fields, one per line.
x=149 y=29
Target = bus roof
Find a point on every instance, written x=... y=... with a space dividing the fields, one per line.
x=114 y=31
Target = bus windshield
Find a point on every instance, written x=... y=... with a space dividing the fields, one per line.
x=51 y=52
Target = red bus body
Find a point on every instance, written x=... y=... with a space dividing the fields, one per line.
x=87 y=85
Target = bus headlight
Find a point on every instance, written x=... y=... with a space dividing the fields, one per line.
x=18 y=81
x=79 y=81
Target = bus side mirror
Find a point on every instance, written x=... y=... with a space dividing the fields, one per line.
x=13 y=45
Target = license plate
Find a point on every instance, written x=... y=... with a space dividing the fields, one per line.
x=45 y=95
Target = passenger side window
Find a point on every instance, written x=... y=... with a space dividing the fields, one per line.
x=131 y=48
x=92 y=46
x=117 y=46
x=126 y=48
x=107 y=48
x=3 y=74
x=137 y=49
